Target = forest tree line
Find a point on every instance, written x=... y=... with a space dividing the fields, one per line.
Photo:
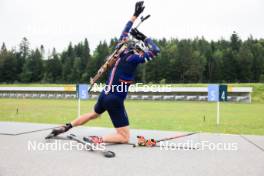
x=180 y=61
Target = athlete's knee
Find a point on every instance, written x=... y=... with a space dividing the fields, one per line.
x=125 y=135
x=94 y=115
x=125 y=138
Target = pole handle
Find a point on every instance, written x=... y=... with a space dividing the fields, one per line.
x=143 y=19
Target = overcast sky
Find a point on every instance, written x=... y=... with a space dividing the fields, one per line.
x=55 y=23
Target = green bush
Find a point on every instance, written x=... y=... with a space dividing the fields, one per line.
x=163 y=81
x=261 y=79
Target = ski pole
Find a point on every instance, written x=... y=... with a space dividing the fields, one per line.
x=168 y=138
x=175 y=137
x=142 y=19
x=28 y=132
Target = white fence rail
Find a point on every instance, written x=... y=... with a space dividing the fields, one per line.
x=235 y=94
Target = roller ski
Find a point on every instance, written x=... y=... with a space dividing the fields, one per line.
x=92 y=143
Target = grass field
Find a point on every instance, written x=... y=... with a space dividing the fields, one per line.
x=158 y=115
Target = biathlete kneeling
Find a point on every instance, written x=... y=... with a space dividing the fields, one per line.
x=121 y=74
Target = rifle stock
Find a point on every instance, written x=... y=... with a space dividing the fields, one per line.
x=111 y=60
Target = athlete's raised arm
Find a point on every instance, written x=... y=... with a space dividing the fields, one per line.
x=138 y=10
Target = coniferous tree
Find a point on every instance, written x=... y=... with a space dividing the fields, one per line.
x=53 y=68
x=185 y=60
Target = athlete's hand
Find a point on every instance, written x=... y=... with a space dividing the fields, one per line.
x=146 y=142
x=139 y=8
x=137 y=34
x=151 y=142
x=141 y=141
x=61 y=129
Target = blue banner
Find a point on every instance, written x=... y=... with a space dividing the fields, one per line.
x=213 y=92
x=82 y=91
x=217 y=92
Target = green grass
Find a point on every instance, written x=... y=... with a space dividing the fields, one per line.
x=158 y=115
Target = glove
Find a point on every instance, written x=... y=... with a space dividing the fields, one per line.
x=139 y=8
x=137 y=35
x=141 y=140
x=146 y=142
x=151 y=142
x=61 y=129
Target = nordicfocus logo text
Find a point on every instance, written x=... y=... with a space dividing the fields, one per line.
x=62 y=146
x=202 y=145
x=123 y=87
